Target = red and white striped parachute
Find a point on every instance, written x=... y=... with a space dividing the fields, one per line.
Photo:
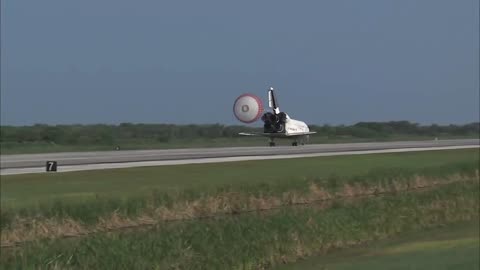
x=248 y=108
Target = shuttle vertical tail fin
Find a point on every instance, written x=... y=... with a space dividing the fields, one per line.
x=272 y=102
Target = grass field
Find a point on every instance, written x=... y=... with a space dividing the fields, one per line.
x=54 y=205
x=256 y=241
x=320 y=207
x=44 y=147
x=454 y=246
x=364 y=199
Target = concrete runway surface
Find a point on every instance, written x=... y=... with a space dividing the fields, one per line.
x=79 y=161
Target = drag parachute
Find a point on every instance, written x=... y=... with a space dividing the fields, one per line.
x=248 y=108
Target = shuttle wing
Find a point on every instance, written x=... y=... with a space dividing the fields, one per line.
x=276 y=135
x=306 y=133
x=264 y=134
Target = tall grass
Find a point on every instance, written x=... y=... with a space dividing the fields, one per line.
x=62 y=218
x=254 y=241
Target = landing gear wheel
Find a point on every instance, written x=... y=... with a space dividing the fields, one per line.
x=294 y=144
x=272 y=144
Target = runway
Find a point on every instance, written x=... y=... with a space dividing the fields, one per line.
x=80 y=161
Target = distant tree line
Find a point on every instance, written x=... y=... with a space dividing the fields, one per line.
x=112 y=134
x=388 y=129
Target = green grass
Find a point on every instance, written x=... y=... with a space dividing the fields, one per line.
x=8 y=148
x=31 y=189
x=455 y=246
x=244 y=241
x=253 y=241
x=57 y=196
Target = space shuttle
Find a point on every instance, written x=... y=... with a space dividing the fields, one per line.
x=278 y=124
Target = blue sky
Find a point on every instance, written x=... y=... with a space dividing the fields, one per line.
x=333 y=61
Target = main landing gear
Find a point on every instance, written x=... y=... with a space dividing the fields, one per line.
x=295 y=143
